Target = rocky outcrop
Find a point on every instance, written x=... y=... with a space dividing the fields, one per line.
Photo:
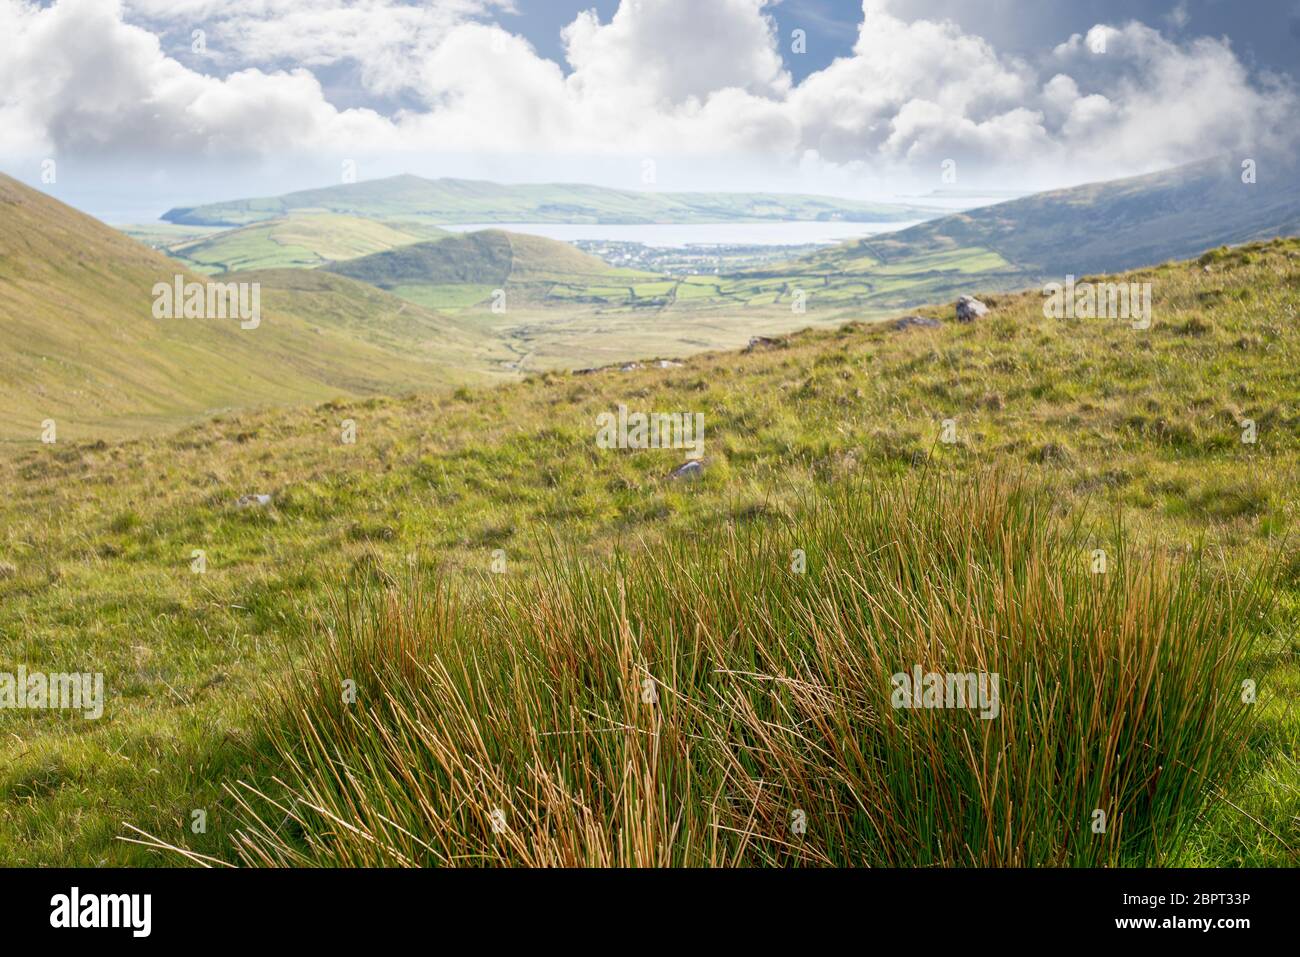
x=969 y=309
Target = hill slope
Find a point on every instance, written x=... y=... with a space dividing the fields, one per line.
x=464 y=270
x=98 y=540
x=1109 y=226
x=299 y=240
x=489 y=256
x=81 y=345
x=450 y=351
x=477 y=201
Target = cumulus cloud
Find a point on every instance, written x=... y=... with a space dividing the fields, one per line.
x=673 y=51
x=660 y=77
x=78 y=80
x=916 y=91
x=1147 y=95
x=387 y=40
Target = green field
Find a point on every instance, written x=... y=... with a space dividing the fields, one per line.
x=374 y=561
x=297 y=241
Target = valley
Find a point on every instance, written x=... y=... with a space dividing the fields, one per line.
x=416 y=410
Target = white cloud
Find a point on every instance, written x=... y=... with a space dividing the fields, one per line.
x=79 y=80
x=661 y=77
x=1149 y=96
x=387 y=39
x=670 y=51
x=914 y=91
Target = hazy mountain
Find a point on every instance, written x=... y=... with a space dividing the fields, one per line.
x=1110 y=226
x=477 y=201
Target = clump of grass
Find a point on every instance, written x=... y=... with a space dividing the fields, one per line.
x=124 y=522
x=701 y=702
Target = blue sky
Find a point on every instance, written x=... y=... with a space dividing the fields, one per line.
x=151 y=103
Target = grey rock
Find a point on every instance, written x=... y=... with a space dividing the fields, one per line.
x=688 y=470
x=969 y=309
x=917 y=322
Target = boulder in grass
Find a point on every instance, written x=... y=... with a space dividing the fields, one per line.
x=253 y=501
x=916 y=322
x=688 y=470
x=762 y=342
x=969 y=309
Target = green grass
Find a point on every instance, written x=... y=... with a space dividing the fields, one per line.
x=686 y=704
x=296 y=241
x=96 y=538
x=161 y=235
x=491 y=257
x=449 y=298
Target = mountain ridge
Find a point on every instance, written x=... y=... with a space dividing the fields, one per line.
x=455 y=200
x=1112 y=225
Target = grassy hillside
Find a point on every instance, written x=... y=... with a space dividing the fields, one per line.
x=448 y=350
x=415 y=199
x=82 y=347
x=160 y=235
x=484 y=260
x=299 y=241
x=1115 y=225
x=1097 y=418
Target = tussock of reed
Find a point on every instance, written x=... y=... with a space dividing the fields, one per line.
x=696 y=702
